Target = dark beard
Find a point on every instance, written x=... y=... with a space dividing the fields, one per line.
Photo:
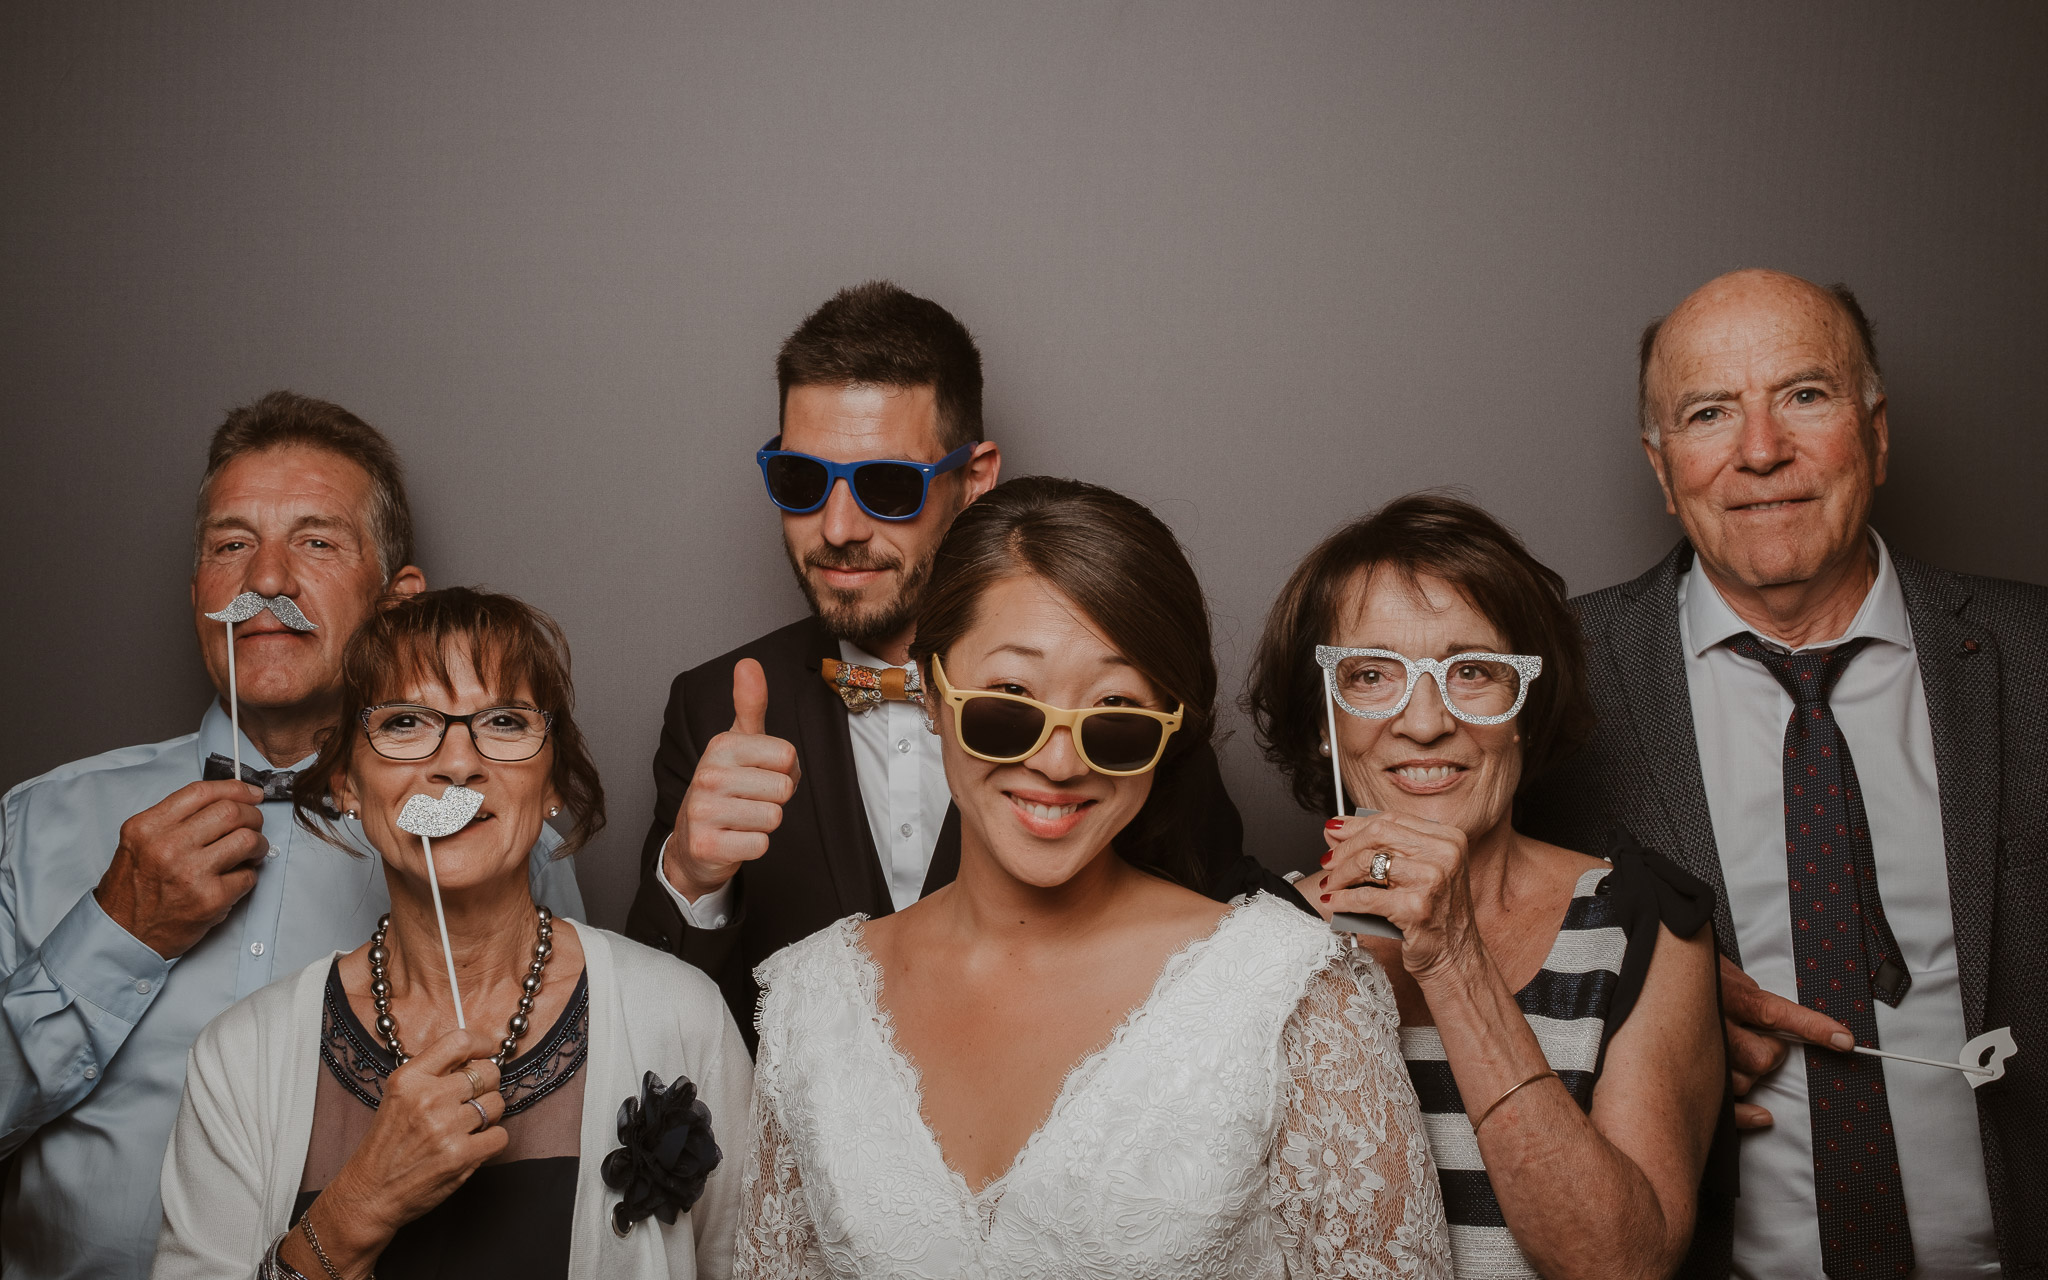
x=841 y=614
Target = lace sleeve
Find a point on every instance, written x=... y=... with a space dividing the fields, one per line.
x=777 y=1239
x=1352 y=1180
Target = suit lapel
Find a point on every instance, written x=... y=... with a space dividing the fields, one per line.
x=1959 y=668
x=827 y=754
x=1644 y=646
x=945 y=866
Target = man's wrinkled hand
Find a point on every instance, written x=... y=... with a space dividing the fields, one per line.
x=183 y=863
x=1755 y=1019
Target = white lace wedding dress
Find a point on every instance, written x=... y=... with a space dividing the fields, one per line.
x=1252 y=1118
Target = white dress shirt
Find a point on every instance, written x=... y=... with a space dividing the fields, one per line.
x=1739 y=715
x=902 y=778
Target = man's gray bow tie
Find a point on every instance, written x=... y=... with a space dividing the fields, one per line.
x=276 y=783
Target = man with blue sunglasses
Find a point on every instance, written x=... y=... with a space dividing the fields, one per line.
x=796 y=783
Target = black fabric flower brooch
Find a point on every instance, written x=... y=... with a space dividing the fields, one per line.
x=669 y=1153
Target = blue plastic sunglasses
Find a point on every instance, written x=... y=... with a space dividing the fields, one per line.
x=885 y=488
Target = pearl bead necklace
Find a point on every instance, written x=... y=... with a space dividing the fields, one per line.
x=529 y=987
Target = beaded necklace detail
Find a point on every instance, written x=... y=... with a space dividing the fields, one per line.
x=529 y=987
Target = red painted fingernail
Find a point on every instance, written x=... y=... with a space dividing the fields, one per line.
x=1326 y=897
x=1327 y=857
x=1323 y=883
x=1331 y=824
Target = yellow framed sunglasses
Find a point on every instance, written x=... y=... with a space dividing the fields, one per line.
x=1004 y=728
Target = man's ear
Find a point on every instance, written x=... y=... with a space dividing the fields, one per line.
x=1881 y=441
x=1656 y=457
x=982 y=472
x=409 y=581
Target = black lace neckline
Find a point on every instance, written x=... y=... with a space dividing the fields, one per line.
x=360 y=1064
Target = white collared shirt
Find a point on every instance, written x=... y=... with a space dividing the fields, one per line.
x=902 y=779
x=1739 y=715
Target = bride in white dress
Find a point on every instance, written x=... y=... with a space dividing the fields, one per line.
x=1064 y=1063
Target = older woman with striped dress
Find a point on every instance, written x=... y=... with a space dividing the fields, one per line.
x=1557 y=1010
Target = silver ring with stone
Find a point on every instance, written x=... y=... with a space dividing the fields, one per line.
x=1382 y=862
x=483 y=1121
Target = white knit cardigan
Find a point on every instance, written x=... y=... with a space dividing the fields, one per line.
x=239 y=1148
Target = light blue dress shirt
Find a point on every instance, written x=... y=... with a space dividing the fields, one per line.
x=1739 y=713
x=95 y=1026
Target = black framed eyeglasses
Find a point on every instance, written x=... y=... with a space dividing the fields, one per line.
x=885 y=488
x=407 y=731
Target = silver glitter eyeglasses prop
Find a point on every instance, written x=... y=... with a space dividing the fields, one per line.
x=1376 y=684
x=240 y=609
x=426 y=817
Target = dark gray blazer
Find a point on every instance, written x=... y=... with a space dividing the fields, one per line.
x=1983 y=648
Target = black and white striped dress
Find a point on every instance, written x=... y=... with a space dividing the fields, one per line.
x=1574 y=1004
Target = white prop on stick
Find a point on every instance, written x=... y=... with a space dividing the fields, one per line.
x=1351 y=921
x=1981 y=1061
x=240 y=609
x=427 y=818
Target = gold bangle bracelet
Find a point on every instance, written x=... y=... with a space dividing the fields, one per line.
x=1546 y=1072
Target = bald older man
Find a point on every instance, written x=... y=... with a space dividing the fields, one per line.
x=1852 y=746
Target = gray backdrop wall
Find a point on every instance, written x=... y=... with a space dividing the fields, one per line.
x=1263 y=266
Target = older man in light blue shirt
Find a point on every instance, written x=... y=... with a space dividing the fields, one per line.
x=140 y=897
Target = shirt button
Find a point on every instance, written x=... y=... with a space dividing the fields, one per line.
x=92 y=1073
x=270 y=853
x=255 y=948
x=142 y=986
x=904 y=830
x=903 y=745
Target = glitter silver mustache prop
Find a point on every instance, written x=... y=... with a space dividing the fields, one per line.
x=240 y=609
x=426 y=818
x=247 y=605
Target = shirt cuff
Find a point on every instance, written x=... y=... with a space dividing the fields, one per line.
x=712 y=911
x=95 y=959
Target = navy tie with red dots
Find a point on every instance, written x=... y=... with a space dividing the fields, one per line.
x=1845 y=956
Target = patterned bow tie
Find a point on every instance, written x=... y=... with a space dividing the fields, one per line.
x=276 y=783
x=865 y=688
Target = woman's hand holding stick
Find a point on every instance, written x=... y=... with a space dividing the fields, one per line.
x=436 y=1124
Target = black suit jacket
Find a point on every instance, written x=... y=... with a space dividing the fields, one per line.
x=1982 y=645
x=821 y=863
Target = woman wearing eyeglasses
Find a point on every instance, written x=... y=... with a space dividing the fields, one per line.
x=1557 y=1010
x=1068 y=1062
x=339 y=1123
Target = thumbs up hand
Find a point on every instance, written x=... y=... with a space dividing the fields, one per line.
x=736 y=796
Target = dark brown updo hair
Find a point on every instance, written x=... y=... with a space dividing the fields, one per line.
x=409 y=641
x=1423 y=534
x=1127 y=572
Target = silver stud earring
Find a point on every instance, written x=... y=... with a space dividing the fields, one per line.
x=553 y=812
x=351 y=815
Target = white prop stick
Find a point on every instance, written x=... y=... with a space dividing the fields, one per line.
x=234 y=703
x=1981 y=1061
x=240 y=609
x=426 y=818
x=1351 y=921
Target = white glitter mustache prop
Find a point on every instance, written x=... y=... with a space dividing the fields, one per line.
x=1351 y=921
x=1981 y=1061
x=240 y=609
x=426 y=818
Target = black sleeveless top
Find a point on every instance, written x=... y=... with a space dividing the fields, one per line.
x=511 y=1220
